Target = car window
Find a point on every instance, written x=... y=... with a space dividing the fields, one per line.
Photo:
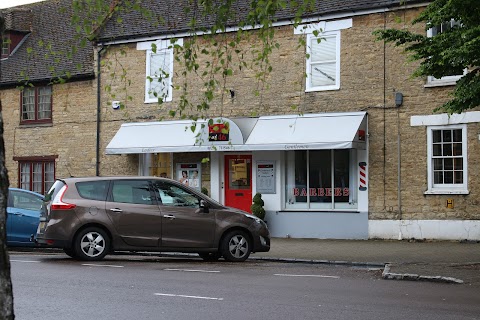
x=132 y=191
x=23 y=200
x=172 y=195
x=95 y=190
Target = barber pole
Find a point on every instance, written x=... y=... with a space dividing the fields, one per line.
x=363 y=176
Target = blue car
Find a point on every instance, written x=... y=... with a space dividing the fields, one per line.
x=23 y=214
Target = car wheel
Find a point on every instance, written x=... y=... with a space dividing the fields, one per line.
x=70 y=252
x=210 y=256
x=236 y=246
x=92 y=244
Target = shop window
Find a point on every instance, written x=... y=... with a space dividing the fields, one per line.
x=455 y=76
x=161 y=165
x=323 y=61
x=321 y=179
x=447 y=159
x=37 y=176
x=36 y=105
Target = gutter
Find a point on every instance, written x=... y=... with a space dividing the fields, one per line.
x=97 y=148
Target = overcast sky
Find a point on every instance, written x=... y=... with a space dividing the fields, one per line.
x=14 y=3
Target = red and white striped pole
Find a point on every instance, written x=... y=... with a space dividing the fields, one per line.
x=363 y=176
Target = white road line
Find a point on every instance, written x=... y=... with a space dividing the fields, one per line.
x=101 y=265
x=27 y=261
x=192 y=270
x=305 y=275
x=184 y=296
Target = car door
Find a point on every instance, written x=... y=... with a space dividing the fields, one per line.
x=23 y=212
x=184 y=223
x=134 y=212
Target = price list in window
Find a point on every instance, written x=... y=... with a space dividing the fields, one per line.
x=266 y=177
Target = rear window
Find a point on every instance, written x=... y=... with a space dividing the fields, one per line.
x=94 y=190
x=54 y=190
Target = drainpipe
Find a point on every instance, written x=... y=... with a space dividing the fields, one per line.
x=97 y=163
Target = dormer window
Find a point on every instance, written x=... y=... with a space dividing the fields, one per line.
x=5 y=46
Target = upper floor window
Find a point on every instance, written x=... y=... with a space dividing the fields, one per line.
x=5 y=46
x=448 y=79
x=323 y=61
x=159 y=84
x=447 y=159
x=37 y=175
x=36 y=105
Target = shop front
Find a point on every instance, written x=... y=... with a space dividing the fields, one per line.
x=311 y=169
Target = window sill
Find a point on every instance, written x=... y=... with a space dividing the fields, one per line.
x=320 y=89
x=436 y=191
x=156 y=100
x=319 y=210
x=36 y=124
x=440 y=84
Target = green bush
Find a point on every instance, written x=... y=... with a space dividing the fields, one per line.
x=257 y=206
x=205 y=191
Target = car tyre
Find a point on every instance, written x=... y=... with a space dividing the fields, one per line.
x=210 y=256
x=70 y=252
x=236 y=246
x=91 y=244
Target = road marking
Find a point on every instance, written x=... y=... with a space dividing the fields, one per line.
x=101 y=265
x=305 y=275
x=185 y=296
x=192 y=270
x=27 y=261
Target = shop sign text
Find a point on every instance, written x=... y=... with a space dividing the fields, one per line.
x=321 y=192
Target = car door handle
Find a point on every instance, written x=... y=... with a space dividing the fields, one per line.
x=18 y=214
x=116 y=210
x=169 y=216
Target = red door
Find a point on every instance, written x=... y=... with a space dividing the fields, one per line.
x=238 y=181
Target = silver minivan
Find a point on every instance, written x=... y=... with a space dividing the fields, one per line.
x=93 y=216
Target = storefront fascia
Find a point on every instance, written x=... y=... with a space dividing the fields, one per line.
x=281 y=148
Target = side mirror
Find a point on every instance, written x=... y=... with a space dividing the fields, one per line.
x=204 y=205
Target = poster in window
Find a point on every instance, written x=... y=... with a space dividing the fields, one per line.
x=189 y=174
x=266 y=177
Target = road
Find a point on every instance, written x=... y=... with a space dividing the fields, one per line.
x=53 y=286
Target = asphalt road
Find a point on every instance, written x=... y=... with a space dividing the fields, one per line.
x=52 y=286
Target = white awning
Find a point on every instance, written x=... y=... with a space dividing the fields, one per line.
x=285 y=132
x=168 y=136
x=309 y=131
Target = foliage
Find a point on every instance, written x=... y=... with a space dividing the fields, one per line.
x=211 y=52
x=257 y=206
x=449 y=52
x=205 y=191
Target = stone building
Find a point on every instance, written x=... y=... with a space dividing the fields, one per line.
x=352 y=151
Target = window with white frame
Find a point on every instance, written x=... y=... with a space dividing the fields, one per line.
x=447 y=159
x=449 y=79
x=310 y=175
x=158 y=86
x=323 y=61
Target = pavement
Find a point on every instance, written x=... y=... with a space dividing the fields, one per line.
x=455 y=262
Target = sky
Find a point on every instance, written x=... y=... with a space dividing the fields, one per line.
x=14 y=3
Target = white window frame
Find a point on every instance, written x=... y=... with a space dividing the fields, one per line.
x=446 y=80
x=169 y=82
x=322 y=36
x=332 y=206
x=447 y=188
